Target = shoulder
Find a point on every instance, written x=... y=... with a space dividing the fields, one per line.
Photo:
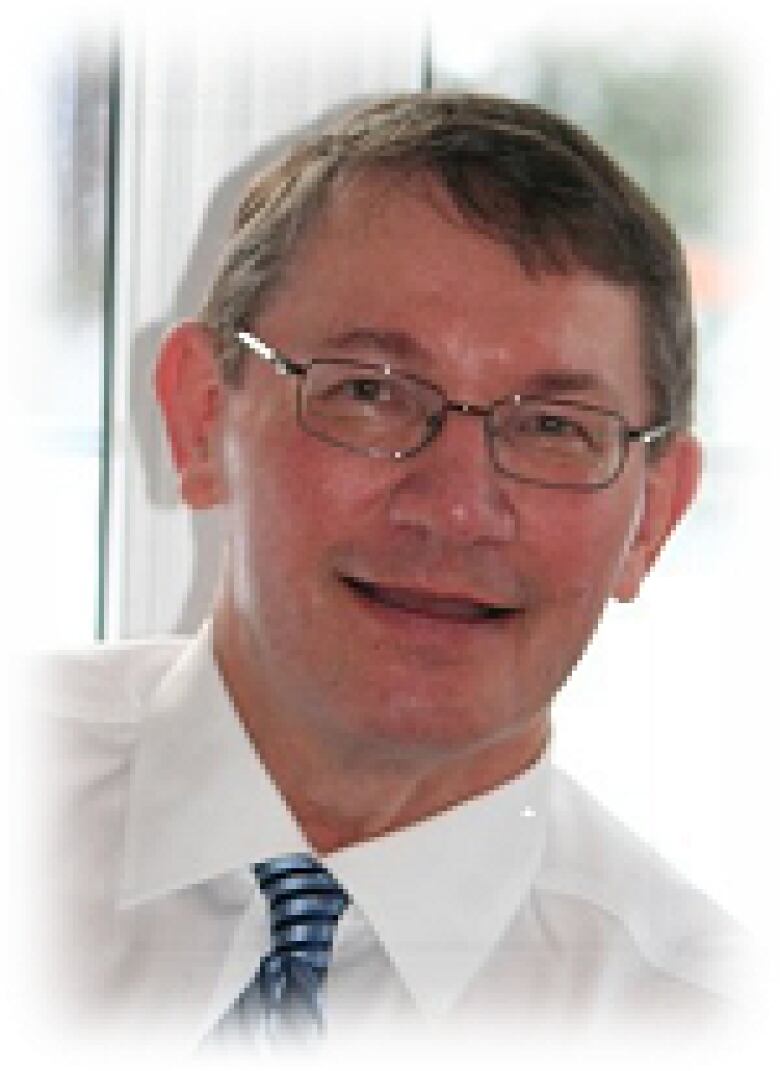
x=102 y=683
x=675 y=931
x=89 y=705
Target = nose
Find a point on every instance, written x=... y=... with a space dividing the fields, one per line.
x=451 y=489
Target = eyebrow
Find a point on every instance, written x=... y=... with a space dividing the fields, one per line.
x=552 y=381
x=397 y=343
x=563 y=381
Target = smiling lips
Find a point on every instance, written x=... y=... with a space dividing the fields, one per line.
x=426 y=604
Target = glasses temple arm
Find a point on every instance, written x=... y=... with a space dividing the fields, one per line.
x=282 y=364
x=651 y=434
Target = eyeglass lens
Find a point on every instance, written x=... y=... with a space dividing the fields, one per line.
x=371 y=410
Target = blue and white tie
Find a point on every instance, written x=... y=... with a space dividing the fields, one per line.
x=305 y=903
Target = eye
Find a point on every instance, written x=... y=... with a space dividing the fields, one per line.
x=556 y=426
x=359 y=393
x=365 y=389
x=551 y=426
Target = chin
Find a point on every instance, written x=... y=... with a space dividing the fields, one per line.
x=441 y=728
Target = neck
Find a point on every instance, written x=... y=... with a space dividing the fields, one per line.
x=344 y=790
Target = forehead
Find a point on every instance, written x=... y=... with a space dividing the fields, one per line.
x=392 y=253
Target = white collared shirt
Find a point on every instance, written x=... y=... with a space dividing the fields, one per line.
x=528 y=904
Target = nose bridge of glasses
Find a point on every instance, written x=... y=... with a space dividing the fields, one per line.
x=469 y=409
x=438 y=420
x=463 y=409
x=455 y=489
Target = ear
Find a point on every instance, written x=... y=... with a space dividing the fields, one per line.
x=671 y=483
x=192 y=398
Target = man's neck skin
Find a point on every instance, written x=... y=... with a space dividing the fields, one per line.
x=342 y=790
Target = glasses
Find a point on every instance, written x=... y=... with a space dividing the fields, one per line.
x=376 y=411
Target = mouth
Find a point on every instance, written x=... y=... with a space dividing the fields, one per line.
x=461 y=610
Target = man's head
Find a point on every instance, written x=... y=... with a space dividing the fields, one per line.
x=519 y=174
x=431 y=605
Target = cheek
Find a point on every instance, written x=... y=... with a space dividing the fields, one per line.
x=288 y=502
x=580 y=545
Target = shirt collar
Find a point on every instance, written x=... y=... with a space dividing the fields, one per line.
x=200 y=802
x=438 y=894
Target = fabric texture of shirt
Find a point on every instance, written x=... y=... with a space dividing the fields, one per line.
x=527 y=904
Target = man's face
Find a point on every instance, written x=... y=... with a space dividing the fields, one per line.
x=390 y=274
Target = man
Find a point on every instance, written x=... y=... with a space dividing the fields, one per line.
x=442 y=387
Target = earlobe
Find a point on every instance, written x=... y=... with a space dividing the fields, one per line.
x=191 y=396
x=671 y=483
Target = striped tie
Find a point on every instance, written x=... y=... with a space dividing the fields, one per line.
x=305 y=903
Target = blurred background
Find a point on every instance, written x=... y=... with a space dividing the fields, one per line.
x=133 y=138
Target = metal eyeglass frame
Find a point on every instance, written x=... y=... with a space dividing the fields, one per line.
x=285 y=366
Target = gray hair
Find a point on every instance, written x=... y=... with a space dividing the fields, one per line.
x=517 y=173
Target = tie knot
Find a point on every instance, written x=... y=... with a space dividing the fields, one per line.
x=305 y=902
